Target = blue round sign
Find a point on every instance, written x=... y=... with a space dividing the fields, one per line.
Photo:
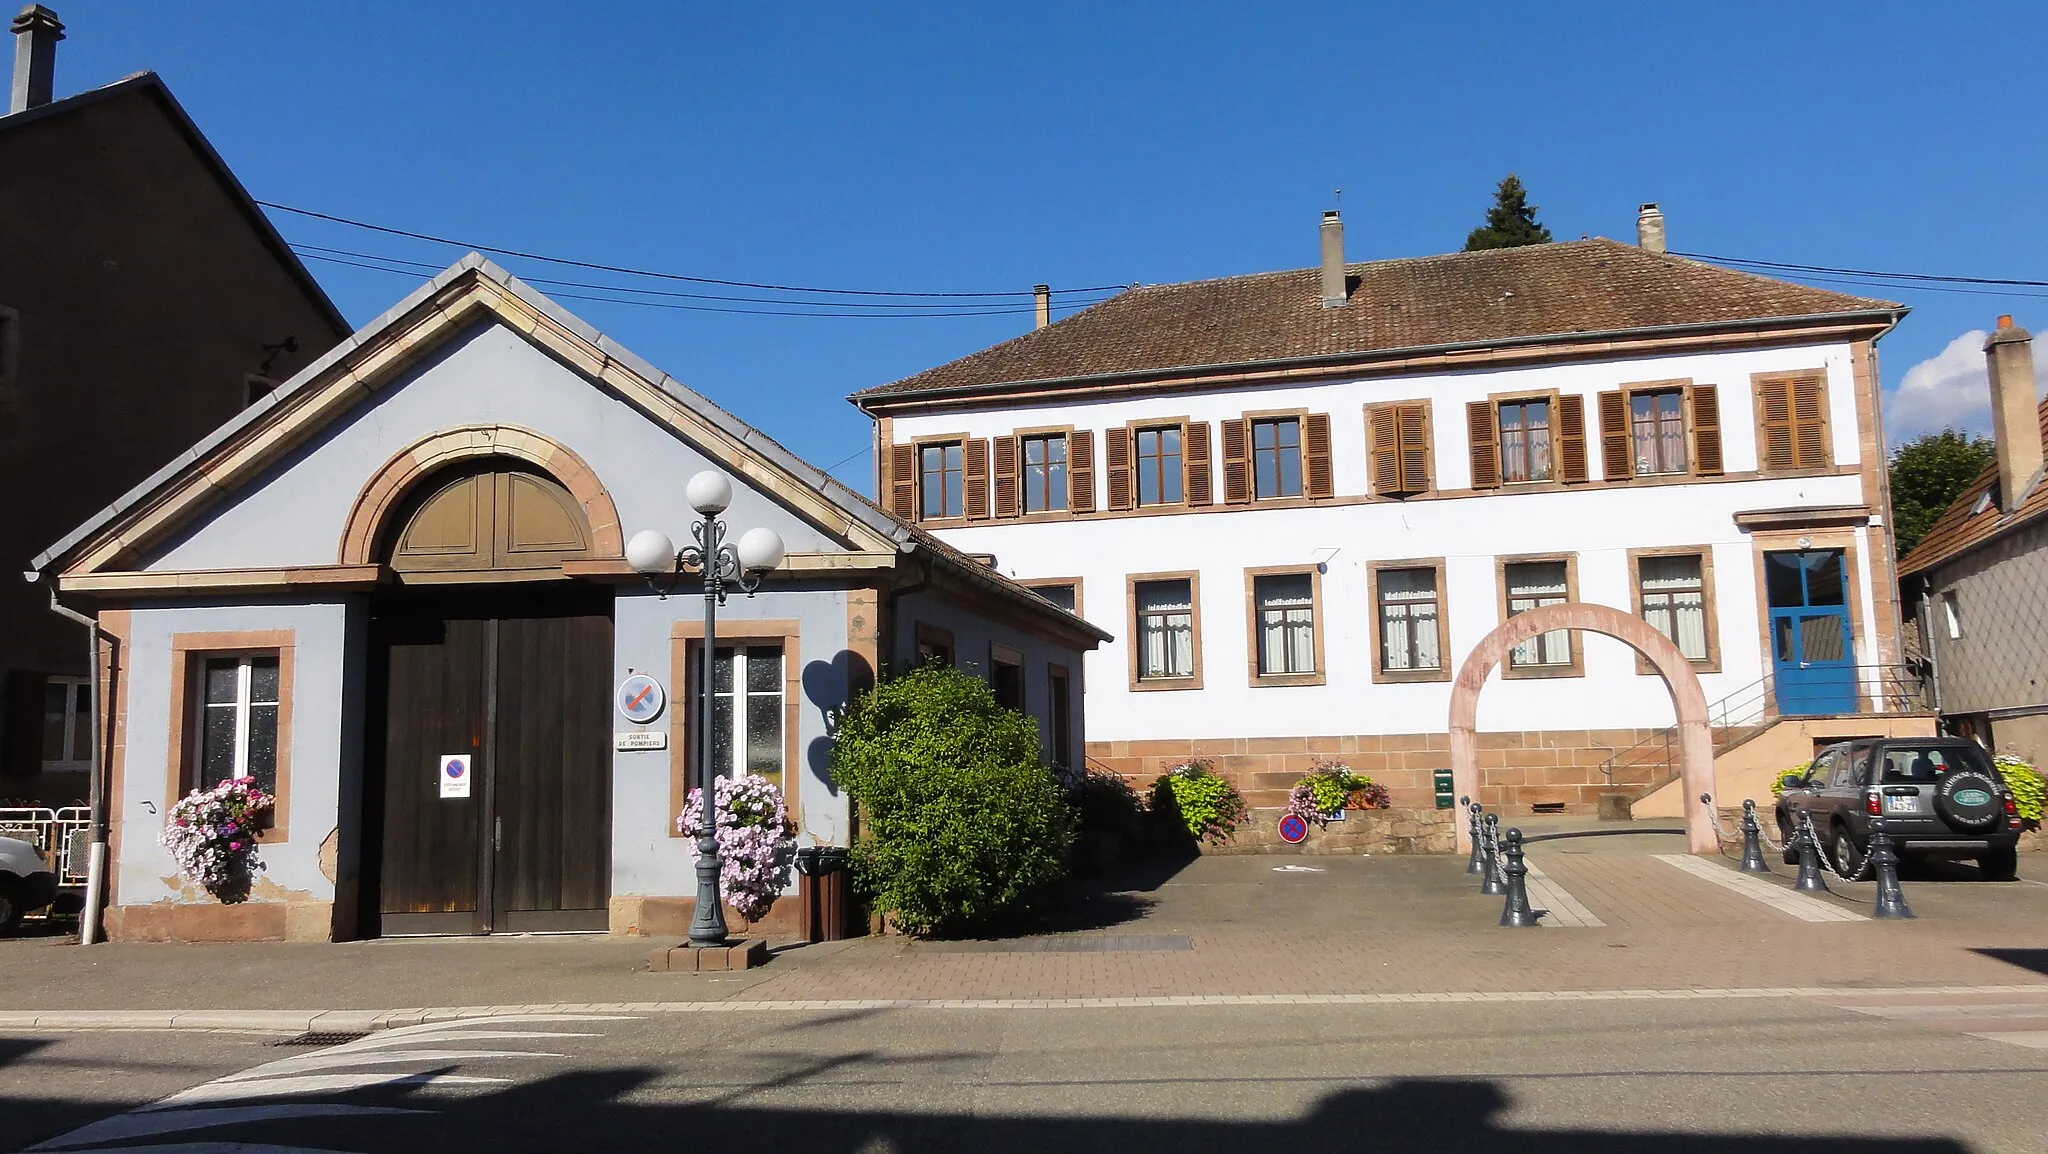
x=1293 y=830
x=455 y=767
x=640 y=699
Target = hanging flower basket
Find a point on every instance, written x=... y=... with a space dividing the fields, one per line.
x=211 y=835
x=756 y=842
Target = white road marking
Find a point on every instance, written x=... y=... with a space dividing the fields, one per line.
x=311 y=1084
x=1784 y=901
x=124 y=1126
x=1566 y=911
x=388 y=1038
x=2031 y=1039
x=2022 y=1010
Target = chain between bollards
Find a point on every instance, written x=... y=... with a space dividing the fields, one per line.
x=1495 y=882
x=1477 y=864
x=1516 y=914
x=1752 y=848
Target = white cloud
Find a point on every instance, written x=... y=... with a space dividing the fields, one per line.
x=1948 y=390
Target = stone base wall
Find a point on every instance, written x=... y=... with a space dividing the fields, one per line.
x=669 y=917
x=1362 y=831
x=1518 y=770
x=213 y=922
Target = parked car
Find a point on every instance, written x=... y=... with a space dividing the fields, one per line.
x=26 y=882
x=1940 y=797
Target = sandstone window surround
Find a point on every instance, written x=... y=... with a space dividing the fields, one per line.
x=1660 y=428
x=1413 y=641
x=758 y=667
x=1157 y=464
x=1280 y=457
x=1165 y=612
x=1284 y=615
x=231 y=715
x=1530 y=582
x=1518 y=439
x=1043 y=473
x=1792 y=421
x=1064 y=592
x=1673 y=587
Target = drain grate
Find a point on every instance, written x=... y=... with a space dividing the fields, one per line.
x=322 y=1038
x=1547 y=807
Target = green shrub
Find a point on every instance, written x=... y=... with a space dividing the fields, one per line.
x=1206 y=806
x=2028 y=788
x=1105 y=802
x=1786 y=777
x=964 y=826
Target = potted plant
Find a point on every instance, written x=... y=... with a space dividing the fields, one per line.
x=1208 y=807
x=211 y=835
x=1330 y=789
x=756 y=843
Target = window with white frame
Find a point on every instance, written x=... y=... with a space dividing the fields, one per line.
x=1408 y=620
x=1166 y=629
x=746 y=710
x=1531 y=585
x=1286 y=623
x=238 y=720
x=67 y=723
x=1675 y=601
x=1952 y=614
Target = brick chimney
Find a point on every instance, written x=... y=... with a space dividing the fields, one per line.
x=1650 y=228
x=1041 y=305
x=1335 y=284
x=36 y=32
x=2015 y=415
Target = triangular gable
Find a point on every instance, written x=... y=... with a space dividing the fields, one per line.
x=470 y=291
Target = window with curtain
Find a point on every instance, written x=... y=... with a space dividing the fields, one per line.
x=1657 y=429
x=1276 y=458
x=1675 y=602
x=1408 y=620
x=942 y=478
x=1525 y=440
x=746 y=710
x=1287 y=623
x=1159 y=466
x=1531 y=585
x=238 y=720
x=67 y=723
x=1166 y=629
x=1045 y=473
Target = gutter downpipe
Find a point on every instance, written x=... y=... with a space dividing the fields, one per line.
x=96 y=862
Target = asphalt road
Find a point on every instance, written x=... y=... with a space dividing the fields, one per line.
x=1783 y=1076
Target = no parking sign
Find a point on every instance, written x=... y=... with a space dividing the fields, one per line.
x=456 y=771
x=1293 y=830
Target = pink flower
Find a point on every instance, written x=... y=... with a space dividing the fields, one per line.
x=234 y=845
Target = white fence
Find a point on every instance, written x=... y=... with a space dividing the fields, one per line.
x=64 y=836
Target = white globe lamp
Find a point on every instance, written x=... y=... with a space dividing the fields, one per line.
x=759 y=549
x=709 y=493
x=651 y=553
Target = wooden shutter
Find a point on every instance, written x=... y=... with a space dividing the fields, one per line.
x=1237 y=465
x=1810 y=421
x=974 y=459
x=1571 y=438
x=1009 y=503
x=1617 y=458
x=901 y=482
x=1414 y=424
x=1194 y=447
x=1081 y=472
x=1116 y=462
x=1484 y=433
x=1705 y=403
x=1774 y=417
x=1315 y=452
x=1383 y=446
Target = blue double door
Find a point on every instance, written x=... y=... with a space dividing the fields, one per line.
x=1813 y=651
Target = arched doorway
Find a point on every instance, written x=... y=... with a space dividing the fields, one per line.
x=1688 y=699
x=487 y=799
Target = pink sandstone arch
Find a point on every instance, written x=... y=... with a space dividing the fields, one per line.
x=1688 y=698
x=384 y=490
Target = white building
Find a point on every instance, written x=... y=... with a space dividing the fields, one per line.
x=1298 y=499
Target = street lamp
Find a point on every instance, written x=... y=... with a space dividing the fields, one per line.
x=655 y=557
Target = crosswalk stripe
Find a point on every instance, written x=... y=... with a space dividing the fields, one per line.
x=1566 y=911
x=1784 y=901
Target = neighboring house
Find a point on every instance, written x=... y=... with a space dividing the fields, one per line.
x=1303 y=497
x=413 y=549
x=1978 y=582
x=144 y=299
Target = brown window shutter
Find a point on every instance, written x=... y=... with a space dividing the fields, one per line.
x=974 y=458
x=1414 y=423
x=1383 y=446
x=902 y=481
x=1571 y=437
x=1774 y=414
x=1237 y=466
x=1007 y=502
x=1483 y=431
x=1081 y=472
x=1706 y=430
x=1617 y=460
x=1315 y=446
x=1116 y=459
x=1195 y=458
x=1810 y=421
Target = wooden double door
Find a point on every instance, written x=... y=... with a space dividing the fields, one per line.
x=516 y=686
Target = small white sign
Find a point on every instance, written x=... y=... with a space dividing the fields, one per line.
x=641 y=739
x=456 y=770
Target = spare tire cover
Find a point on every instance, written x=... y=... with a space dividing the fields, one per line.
x=1968 y=800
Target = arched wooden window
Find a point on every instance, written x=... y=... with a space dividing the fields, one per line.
x=488 y=522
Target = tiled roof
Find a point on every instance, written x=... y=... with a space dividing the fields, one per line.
x=1959 y=529
x=1538 y=291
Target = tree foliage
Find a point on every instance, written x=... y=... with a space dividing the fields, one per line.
x=1927 y=474
x=1511 y=222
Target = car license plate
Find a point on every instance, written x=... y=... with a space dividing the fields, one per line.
x=1900 y=803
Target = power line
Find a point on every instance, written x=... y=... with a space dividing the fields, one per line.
x=1862 y=272
x=389 y=231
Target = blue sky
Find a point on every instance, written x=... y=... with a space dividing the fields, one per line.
x=985 y=148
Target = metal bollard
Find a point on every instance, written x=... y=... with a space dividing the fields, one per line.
x=1810 y=879
x=1516 y=913
x=1752 y=846
x=1495 y=881
x=1477 y=864
x=1891 y=901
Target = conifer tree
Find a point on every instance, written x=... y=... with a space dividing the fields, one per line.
x=1511 y=221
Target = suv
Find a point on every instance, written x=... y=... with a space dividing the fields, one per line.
x=26 y=881
x=1940 y=797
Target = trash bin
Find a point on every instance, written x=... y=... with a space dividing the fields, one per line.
x=824 y=889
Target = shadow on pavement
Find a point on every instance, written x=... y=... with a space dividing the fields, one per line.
x=2026 y=959
x=13 y=1050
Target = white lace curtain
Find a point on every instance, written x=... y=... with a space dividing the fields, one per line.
x=1287 y=632
x=1674 y=602
x=1408 y=634
x=1166 y=629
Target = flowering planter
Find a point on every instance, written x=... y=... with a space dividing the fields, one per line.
x=211 y=835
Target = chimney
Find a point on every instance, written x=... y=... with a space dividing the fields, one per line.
x=1334 y=281
x=36 y=32
x=2015 y=416
x=1650 y=228
x=1041 y=305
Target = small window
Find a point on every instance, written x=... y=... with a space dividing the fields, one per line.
x=1060 y=706
x=1061 y=593
x=1276 y=457
x=1286 y=623
x=1531 y=585
x=1045 y=473
x=1674 y=601
x=67 y=723
x=1006 y=677
x=1159 y=466
x=934 y=645
x=238 y=720
x=1982 y=503
x=1409 y=640
x=1657 y=431
x=1525 y=440
x=1953 y=614
x=1166 y=629
x=941 y=481
x=746 y=710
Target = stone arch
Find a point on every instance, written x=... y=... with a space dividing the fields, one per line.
x=1688 y=700
x=388 y=487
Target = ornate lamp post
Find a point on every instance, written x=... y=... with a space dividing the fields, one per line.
x=721 y=566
